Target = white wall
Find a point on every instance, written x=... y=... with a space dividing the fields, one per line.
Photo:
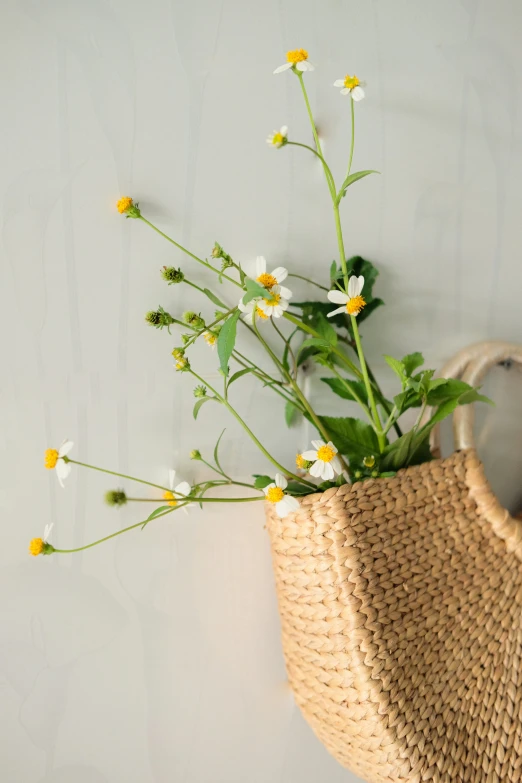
x=156 y=657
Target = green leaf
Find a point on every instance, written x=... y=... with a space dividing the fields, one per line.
x=351 y=178
x=155 y=513
x=395 y=456
x=325 y=329
x=216 y=450
x=450 y=388
x=344 y=389
x=411 y=362
x=253 y=289
x=333 y=271
x=214 y=298
x=291 y=413
x=199 y=404
x=397 y=367
x=240 y=373
x=284 y=360
x=260 y=482
x=315 y=344
x=226 y=340
x=353 y=437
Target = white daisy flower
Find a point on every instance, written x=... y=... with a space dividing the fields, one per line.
x=54 y=458
x=351 y=86
x=47 y=532
x=269 y=280
x=297 y=58
x=278 y=138
x=210 y=339
x=250 y=308
x=326 y=462
x=284 y=504
x=275 y=303
x=353 y=302
x=176 y=493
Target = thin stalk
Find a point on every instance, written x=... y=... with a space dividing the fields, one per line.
x=353 y=393
x=249 y=432
x=310 y=330
x=114 y=473
x=327 y=172
x=352 y=139
x=371 y=399
x=188 y=253
x=329 y=176
x=307 y=279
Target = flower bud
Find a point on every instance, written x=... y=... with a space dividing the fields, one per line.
x=302 y=463
x=216 y=251
x=178 y=353
x=183 y=364
x=200 y=391
x=127 y=207
x=185 y=338
x=357 y=474
x=195 y=454
x=193 y=319
x=159 y=318
x=369 y=462
x=115 y=497
x=172 y=275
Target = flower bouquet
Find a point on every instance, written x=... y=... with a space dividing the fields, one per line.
x=258 y=299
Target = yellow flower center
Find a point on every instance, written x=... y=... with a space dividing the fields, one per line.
x=36 y=547
x=351 y=81
x=275 y=494
x=124 y=204
x=300 y=462
x=267 y=280
x=261 y=313
x=277 y=138
x=355 y=305
x=50 y=459
x=369 y=462
x=210 y=338
x=296 y=56
x=168 y=495
x=325 y=453
x=274 y=300
x=181 y=363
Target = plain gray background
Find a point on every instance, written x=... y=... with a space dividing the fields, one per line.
x=156 y=658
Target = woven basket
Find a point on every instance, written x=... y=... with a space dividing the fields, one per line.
x=400 y=603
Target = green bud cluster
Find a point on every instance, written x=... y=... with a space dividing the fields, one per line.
x=200 y=391
x=159 y=318
x=115 y=497
x=172 y=275
x=193 y=319
x=218 y=252
x=178 y=353
x=195 y=454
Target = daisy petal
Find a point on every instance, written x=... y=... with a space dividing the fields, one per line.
x=328 y=471
x=310 y=455
x=172 y=476
x=282 y=68
x=287 y=505
x=317 y=469
x=346 y=91
x=260 y=265
x=357 y=93
x=318 y=443
x=183 y=488
x=268 y=486
x=47 y=532
x=336 y=312
x=338 y=297
x=280 y=273
x=285 y=292
x=336 y=465
x=284 y=130
x=338 y=83
x=280 y=481
x=65 y=448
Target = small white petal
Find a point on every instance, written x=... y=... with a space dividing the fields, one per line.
x=284 y=131
x=172 y=476
x=65 y=448
x=357 y=93
x=336 y=465
x=278 y=311
x=338 y=297
x=286 y=506
x=285 y=292
x=336 y=312
x=282 y=68
x=345 y=91
x=280 y=481
x=317 y=468
x=310 y=455
x=328 y=471
x=338 y=83
x=62 y=471
x=355 y=286
x=183 y=489
x=304 y=65
x=260 y=265
x=318 y=443
x=47 y=532
x=269 y=486
x=280 y=273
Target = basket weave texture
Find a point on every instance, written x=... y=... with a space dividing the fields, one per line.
x=400 y=603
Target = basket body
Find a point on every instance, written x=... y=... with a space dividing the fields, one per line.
x=401 y=623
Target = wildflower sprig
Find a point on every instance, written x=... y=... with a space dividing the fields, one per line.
x=259 y=301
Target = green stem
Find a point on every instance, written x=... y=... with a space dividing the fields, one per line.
x=114 y=473
x=307 y=279
x=207 y=327
x=249 y=432
x=329 y=176
x=188 y=253
x=352 y=392
x=327 y=172
x=310 y=330
x=371 y=399
x=353 y=137
x=112 y=535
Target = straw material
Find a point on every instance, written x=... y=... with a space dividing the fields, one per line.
x=400 y=607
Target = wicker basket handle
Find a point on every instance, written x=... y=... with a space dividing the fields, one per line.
x=472 y=365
